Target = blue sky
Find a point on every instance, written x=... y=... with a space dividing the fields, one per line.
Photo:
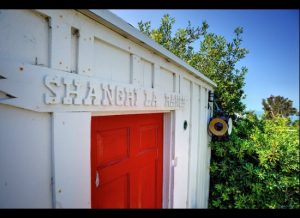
x=271 y=36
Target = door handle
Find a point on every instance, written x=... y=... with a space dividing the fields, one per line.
x=97 y=181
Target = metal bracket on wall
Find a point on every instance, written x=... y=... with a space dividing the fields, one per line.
x=174 y=162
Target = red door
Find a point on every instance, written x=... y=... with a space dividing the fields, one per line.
x=126 y=161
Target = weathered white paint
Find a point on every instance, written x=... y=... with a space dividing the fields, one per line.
x=28 y=40
x=208 y=156
x=168 y=156
x=60 y=57
x=107 y=50
x=182 y=144
x=166 y=75
x=46 y=90
x=25 y=158
x=113 y=67
x=108 y=18
x=193 y=149
x=203 y=152
x=74 y=49
x=147 y=74
x=71 y=159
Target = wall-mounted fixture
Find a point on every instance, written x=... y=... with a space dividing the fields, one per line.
x=210 y=96
x=220 y=125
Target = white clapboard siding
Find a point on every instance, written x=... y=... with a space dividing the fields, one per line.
x=25 y=158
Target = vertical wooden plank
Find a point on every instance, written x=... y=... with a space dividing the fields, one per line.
x=182 y=143
x=60 y=44
x=147 y=74
x=156 y=73
x=179 y=191
x=85 y=52
x=179 y=83
x=177 y=78
x=202 y=153
x=25 y=158
x=71 y=159
x=193 y=154
x=74 y=49
x=208 y=154
x=168 y=167
x=136 y=70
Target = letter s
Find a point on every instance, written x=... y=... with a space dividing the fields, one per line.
x=49 y=82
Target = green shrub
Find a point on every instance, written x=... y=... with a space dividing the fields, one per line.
x=258 y=167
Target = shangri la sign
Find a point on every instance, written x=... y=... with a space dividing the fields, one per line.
x=46 y=90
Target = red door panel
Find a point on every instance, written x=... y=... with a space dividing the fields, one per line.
x=147 y=186
x=126 y=153
x=120 y=196
x=110 y=148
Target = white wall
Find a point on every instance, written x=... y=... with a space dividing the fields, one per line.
x=25 y=159
x=194 y=145
x=24 y=36
x=203 y=161
x=192 y=152
x=99 y=52
x=182 y=145
x=71 y=155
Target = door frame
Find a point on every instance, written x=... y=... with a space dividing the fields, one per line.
x=168 y=150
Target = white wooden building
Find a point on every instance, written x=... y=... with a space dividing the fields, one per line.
x=93 y=114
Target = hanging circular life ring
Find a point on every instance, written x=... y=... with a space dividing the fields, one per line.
x=218 y=126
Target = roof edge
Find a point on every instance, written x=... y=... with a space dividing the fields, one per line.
x=117 y=24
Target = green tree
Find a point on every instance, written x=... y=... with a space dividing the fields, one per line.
x=278 y=106
x=296 y=123
x=216 y=57
x=258 y=167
